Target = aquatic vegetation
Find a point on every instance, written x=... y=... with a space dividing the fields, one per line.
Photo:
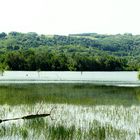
x=139 y=74
x=83 y=112
x=78 y=94
x=74 y=122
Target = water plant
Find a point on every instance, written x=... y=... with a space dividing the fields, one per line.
x=78 y=94
x=139 y=74
x=83 y=112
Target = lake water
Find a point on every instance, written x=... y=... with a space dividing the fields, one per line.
x=81 y=111
x=108 y=78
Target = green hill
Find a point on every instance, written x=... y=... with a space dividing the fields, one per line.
x=81 y=52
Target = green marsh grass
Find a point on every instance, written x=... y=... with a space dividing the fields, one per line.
x=83 y=112
x=72 y=122
x=138 y=75
x=78 y=94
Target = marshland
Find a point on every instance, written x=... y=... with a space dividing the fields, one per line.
x=80 y=111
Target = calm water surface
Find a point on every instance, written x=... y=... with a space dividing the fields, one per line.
x=108 y=78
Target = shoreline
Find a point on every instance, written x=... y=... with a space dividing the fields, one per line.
x=106 y=83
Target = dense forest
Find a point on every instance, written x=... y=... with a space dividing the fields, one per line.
x=75 y=52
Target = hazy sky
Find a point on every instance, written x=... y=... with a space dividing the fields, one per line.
x=70 y=16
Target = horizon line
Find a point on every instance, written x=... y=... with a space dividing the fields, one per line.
x=76 y=33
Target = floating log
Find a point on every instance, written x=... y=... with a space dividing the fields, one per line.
x=32 y=116
x=35 y=116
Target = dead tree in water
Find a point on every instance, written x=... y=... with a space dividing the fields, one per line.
x=32 y=116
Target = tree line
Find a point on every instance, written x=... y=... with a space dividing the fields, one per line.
x=78 y=52
x=33 y=60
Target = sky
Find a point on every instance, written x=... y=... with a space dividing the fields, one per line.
x=65 y=17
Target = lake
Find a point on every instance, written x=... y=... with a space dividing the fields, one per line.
x=126 y=78
x=81 y=111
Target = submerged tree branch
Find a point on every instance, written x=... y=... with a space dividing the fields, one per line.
x=32 y=116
